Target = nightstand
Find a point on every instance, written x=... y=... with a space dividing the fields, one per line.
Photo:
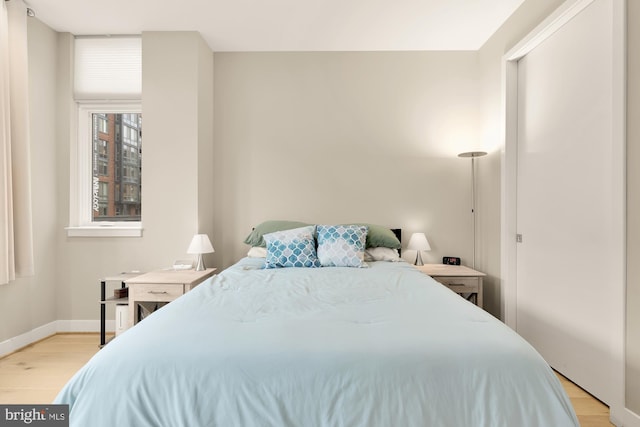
x=119 y=280
x=162 y=286
x=460 y=279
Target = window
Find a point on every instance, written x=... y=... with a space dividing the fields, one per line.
x=130 y=174
x=131 y=194
x=106 y=173
x=103 y=192
x=129 y=124
x=102 y=123
x=109 y=192
x=100 y=156
x=102 y=150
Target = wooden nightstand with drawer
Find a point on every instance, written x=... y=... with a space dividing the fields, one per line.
x=460 y=279
x=162 y=286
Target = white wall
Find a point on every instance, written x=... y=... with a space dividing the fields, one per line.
x=530 y=14
x=29 y=302
x=342 y=137
x=633 y=210
x=519 y=24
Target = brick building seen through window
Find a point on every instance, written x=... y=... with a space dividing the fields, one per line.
x=117 y=166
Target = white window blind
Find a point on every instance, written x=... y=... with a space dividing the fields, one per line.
x=108 y=68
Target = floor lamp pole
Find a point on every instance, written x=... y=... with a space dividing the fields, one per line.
x=473 y=208
x=473 y=155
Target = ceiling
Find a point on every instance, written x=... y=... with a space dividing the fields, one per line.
x=291 y=25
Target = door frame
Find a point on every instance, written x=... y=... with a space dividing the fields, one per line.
x=508 y=285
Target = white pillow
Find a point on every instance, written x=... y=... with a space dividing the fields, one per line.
x=382 y=254
x=257 y=252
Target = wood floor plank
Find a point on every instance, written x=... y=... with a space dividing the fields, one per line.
x=36 y=373
x=41 y=396
x=590 y=411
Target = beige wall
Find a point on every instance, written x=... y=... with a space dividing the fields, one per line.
x=397 y=119
x=207 y=186
x=633 y=210
x=177 y=111
x=342 y=137
x=28 y=303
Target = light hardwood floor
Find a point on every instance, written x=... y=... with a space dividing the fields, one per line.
x=590 y=411
x=36 y=373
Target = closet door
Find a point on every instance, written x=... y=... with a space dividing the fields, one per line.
x=567 y=275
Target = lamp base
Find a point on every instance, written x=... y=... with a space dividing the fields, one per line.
x=200 y=264
x=419 y=258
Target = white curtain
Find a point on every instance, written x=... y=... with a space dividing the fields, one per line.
x=16 y=242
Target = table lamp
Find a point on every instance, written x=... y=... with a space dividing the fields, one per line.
x=418 y=242
x=200 y=244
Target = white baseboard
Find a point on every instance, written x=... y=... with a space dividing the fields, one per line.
x=23 y=340
x=624 y=417
x=83 y=325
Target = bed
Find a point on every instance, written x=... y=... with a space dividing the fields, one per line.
x=383 y=345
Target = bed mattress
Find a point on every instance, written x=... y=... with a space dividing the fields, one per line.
x=378 y=346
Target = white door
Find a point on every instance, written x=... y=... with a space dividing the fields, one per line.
x=567 y=267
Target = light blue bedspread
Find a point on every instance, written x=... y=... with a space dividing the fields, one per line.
x=381 y=346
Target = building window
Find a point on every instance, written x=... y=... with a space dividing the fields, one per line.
x=131 y=196
x=100 y=155
x=102 y=150
x=103 y=192
x=102 y=123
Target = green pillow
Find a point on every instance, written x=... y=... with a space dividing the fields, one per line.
x=379 y=236
x=255 y=237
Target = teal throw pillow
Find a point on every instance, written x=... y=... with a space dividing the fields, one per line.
x=341 y=245
x=291 y=248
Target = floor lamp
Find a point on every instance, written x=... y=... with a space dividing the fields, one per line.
x=473 y=155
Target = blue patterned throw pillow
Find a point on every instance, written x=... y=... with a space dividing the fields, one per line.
x=342 y=245
x=291 y=248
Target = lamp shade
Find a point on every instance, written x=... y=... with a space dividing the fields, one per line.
x=200 y=244
x=473 y=154
x=418 y=242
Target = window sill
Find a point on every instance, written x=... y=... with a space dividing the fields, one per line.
x=104 y=231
